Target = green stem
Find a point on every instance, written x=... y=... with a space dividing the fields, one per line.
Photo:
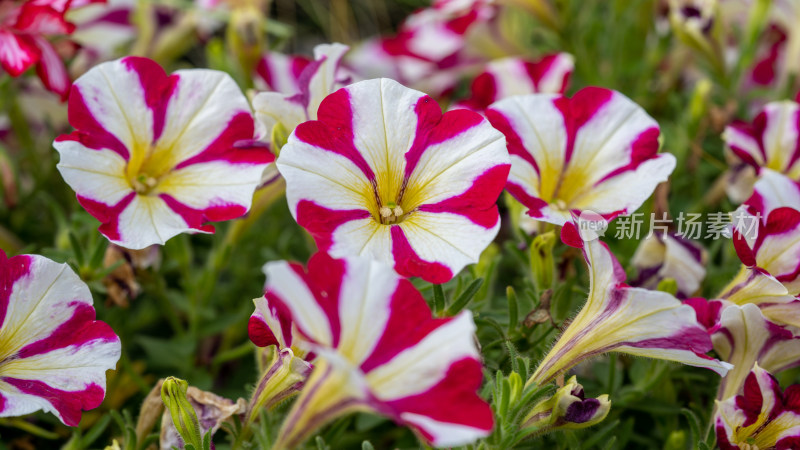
x=15 y=422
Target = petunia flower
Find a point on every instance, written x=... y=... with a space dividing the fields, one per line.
x=743 y=337
x=316 y=80
x=101 y=30
x=620 y=318
x=379 y=350
x=24 y=31
x=384 y=173
x=767 y=239
x=506 y=77
x=54 y=353
x=663 y=256
x=770 y=141
x=761 y=417
x=280 y=73
x=596 y=151
x=436 y=46
x=154 y=155
x=288 y=363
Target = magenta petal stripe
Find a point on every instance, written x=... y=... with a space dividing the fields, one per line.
x=383 y=173
x=154 y=155
x=378 y=349
x=762 y=416
x=53 y=353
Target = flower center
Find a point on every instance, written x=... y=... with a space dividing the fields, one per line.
x=143 y=184
x=146 y=168
x=391 y=213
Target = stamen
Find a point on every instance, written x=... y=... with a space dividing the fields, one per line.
x=386 y=212
x=143 y=184
x=397 y=211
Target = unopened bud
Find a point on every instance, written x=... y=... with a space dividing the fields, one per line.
x=173 y=394
x=567 y=409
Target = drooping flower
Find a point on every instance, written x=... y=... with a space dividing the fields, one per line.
x=506 y=77
x=24 y=29
x=663 y=256
x=770 y=141
x=620 y=318
x=291 y=107
x=761 y=417
x=288 y=363
x=743 y=337
x=384 y=173
x=53 y=353
x=154 y=155
x=596 y=151
x=378 y=350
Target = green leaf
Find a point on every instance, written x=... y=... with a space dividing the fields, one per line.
x=465 y=297
x=438 y=299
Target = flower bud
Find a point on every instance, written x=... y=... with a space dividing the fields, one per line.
x=283 y=378
x=173 y=394
x=567 y=409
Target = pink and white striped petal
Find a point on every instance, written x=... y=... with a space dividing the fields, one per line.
x=378 y=350
x=154 y=155
x=293 y=107
x=771 y=141
x=507 y=77
x=768 y=235
x=665 y=255
x=596 y=151
x=761 y=417
x=280 y=73
x=756 y=286
x=617 y=317
x=53 y=353
x=744 y=337
x=17 y=52
x=384 y=173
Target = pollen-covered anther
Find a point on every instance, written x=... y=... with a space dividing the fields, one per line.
x=143 y=184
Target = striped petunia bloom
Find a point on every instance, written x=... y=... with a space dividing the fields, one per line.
x=761 y=417
x=154 y=155
x=279 y=72
x=743 y=336
x=53 y=353
x=297 y=103
x=384 y=173
x=378 y=350
x=663 y=256
x=620 y=318
x=596 y=151
x=769 y=141
x=766 y=236
x=507 y=77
